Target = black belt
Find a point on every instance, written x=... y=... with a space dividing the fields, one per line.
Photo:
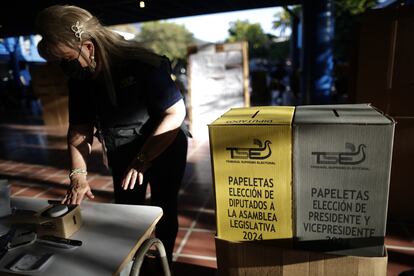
x=126 y=131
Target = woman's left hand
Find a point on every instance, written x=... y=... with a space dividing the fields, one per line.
x=134 y=174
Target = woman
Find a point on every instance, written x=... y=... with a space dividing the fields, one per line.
x=127 y=94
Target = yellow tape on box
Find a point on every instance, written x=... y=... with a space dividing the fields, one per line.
x=251 y=152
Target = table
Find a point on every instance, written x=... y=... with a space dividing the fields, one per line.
x=111 y=234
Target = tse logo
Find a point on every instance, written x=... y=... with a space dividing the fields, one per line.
x=262 y=151
x=352 y=157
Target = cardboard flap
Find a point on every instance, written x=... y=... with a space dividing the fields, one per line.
x=260 y=115
x=361 y=114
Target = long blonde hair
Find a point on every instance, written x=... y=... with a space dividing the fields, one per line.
x=55 y=25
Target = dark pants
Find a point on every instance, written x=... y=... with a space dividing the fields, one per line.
x=164 y=177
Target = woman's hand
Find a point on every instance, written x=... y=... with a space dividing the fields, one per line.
x=164 y=134
x=79 y=187
x=134 y=174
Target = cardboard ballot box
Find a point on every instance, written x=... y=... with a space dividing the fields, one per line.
x=251 y=151
x=341 y=170
x=63 y=226
x=256 y=258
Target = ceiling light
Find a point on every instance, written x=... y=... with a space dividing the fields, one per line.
x=141 y=4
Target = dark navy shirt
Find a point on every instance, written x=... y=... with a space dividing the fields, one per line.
x=143 y=92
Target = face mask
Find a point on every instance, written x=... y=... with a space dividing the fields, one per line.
x=73 y=69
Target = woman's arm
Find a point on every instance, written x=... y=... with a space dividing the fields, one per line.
x=161 y=138
x=79 y=138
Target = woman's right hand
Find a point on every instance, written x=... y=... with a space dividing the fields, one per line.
x=79 y=187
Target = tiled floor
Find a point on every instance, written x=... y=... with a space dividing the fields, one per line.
x=34 y=159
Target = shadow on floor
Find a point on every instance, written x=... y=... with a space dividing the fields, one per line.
x=191 y=269
x=401 y=258
x=407 y=273
x=152 y=267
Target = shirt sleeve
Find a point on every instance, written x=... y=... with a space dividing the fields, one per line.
x=162 y=92
x=81 y=108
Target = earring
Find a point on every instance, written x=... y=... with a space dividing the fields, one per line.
x=92 y=65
